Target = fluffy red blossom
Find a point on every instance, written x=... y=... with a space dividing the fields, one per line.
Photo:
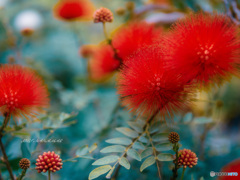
x=233 y=166
x=48 y=161
x=146 y=86
x=134 y=36
x=103 y=63
x=205 y=48
x=73 y=10
x=187 y=158
x=22 y=92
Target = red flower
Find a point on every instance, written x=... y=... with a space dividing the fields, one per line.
x=73 y=9
x=130 y=38
x=205 y=48
x=103 y=63
x=233 y=166
x=22 y=91
x=49 y=161
x=146 y=86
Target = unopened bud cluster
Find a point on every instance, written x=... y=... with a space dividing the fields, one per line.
x=49 y=161
x=103 y=15
x=24 y=163
x=173 y=137
x=187 y=158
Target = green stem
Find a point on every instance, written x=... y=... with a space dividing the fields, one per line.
x=22 y=174
x=183 y=173
x=109 y=41
x=175 y=169
x=105 y=31
x=6 y=161
x=49 y=175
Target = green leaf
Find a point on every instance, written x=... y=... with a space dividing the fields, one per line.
x=155 y=127
x=128 y=132
x=25 y=150
x=92 y=148
x=121 y=141
x=106 y=160
x=147 y=152
x=114 y=148
x=148 y=162
x=202 y=120
x=137 y=127
x=138 y=145
x=99 y=171
x=134 y=154
x=21 y=134
x=164 y=146
x=124 y=162
x=82 y=150
x=143 y=139
x=110 y=173
x=165 y=157
x=160 y=137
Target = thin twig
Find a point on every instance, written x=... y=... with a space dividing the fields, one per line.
x=5 y=122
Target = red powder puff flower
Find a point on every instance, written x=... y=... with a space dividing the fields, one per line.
x=132 y=37
x=49 y=161
x=87 y=51
x=73 y=10
x=146 y=86
x=232 y=167
x=205 y=48
x=187 y=158
x=22 y=92
x=103 y=63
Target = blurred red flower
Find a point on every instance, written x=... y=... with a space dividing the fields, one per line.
x=22 y=92
x=233 y=166
x=74 y=10
x=103 y=63
x=146 y=86
x=131 y=37
x=205 y=48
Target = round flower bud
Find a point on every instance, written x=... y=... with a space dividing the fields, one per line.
x=120 y=11
x=102 y=15
x=24 y=163
x=130 y=6
x=187 y=158
x=48 y=161
x=173 y=137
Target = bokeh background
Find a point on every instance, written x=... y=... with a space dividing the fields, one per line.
x=84 y=112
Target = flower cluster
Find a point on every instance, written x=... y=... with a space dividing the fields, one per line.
x=69 y=10
x=187 y=158
x=102 y=15
x=48 y=161
x=173 y=137
x=204 y=49
x=147 y=87
x=24 y=163
x=22 y=91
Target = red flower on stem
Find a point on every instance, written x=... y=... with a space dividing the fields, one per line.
x=103 y=63
x=205 y=48
x=134 y=36
x=146 y=86
x=48 y=161
x=232 y=167
x=73 y=10
x=22 y=91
